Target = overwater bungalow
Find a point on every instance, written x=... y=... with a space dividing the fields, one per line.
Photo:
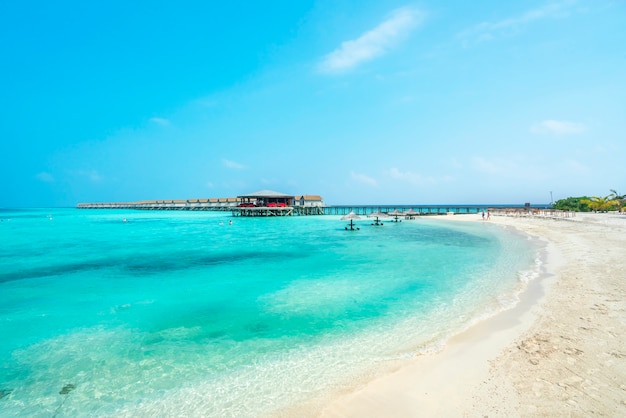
x=308 y=200
x=264 y=203
x=267 y=198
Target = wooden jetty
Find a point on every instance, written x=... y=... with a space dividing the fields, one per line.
x=407 y=211
x=261 y=203
x=268 y=203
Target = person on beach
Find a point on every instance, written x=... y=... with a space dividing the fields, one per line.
x=488 y=215
x=483 y=215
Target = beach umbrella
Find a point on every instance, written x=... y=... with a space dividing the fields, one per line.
x=411 y=213
x=377 y=215
x=395 y=213
x=351 y=216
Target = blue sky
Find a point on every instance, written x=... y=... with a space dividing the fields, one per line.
x=359 y=101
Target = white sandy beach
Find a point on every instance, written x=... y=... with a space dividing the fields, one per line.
x=560 y=352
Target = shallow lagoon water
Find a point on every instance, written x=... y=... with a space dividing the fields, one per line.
x=180 y=313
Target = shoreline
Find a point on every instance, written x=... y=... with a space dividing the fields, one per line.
x=558 y=352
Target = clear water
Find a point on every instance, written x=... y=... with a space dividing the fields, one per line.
x=180 y=313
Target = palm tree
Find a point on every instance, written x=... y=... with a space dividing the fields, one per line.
x=601 y=204
x=620 y=199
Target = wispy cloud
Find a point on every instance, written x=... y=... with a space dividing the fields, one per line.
x=486 y=31
x=485 y=165
x=507 y=166
x=373 y=43
x=575 y=166
x=91 y=175
x=160 y=121
x=267 y=182
x=233 y=164
x=362 y=178
x=557 y=127
x=410 y=177
x=233 y=185
x=45 y=177
x=517 y=167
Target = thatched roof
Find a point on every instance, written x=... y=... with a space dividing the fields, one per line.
x=267 y=194
x=351 y=215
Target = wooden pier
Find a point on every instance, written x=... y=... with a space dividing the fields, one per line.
x=269 y=203
x=232 y=206
x=206 y=206
x=263 y=211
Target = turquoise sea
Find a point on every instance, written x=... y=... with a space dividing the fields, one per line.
x=133 y=313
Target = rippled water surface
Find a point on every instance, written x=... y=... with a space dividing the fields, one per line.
x=131 y=313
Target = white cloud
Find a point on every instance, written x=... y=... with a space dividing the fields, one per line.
x=410 y=177
x=91 y=175
x=502 y=169
x=493 y=166
x=557 y=127
x=484 y=165
x=371 y=44
x=232 y=164
x=453 y=162
x=45 y=177
x=362 y=178
x=487 y=31
x=234 y=185
x=575 y=166
x=160 y=121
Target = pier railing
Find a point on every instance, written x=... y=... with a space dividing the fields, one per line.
x=417 y=210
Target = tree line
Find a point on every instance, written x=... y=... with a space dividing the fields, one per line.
x=610 y=202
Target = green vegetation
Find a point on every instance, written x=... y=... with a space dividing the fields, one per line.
x=613 y=201
x=576 y=204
